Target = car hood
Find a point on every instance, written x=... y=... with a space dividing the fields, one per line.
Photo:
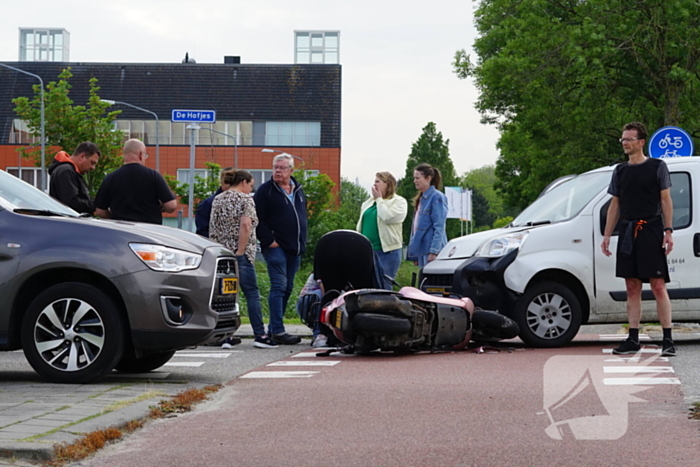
x=135 y=232
x=467 y=246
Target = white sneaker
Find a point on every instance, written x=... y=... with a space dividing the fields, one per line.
x=320 y=341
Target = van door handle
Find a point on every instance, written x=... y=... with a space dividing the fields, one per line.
x=696 y=244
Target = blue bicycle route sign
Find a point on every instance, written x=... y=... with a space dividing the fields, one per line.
x=670 y=141
x=203 y=116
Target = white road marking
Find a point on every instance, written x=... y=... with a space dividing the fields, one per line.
x=204 y=355
x=190 y=364
x=621 y=337
x=639 y=381
x=149 y=375
x=280 y=374
x=306 y=363
x=638 y=369
x=643 y=350
x=313 y=354
x=635 y=359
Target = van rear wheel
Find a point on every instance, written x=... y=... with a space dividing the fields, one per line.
x=548 y=315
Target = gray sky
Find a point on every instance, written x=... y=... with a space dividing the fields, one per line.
x=396 y=58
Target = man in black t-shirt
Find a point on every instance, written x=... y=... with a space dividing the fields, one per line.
x=641 y=196
x=135 y=192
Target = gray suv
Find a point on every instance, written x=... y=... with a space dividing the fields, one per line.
x=83 y=296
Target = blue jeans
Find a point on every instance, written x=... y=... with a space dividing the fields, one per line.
x=249 y=286
x=281 y=267
x=390 y=262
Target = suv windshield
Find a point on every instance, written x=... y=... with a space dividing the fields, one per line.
x=564 y=201
x=18 y=194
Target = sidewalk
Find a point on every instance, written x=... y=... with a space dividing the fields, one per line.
x=35 y=415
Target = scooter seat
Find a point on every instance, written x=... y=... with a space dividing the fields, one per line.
x=415 y=294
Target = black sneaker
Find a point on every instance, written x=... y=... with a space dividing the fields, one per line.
x=230 y=342
x=668 y=348
x=285 y=339
x=264 y=342
x=627 y=347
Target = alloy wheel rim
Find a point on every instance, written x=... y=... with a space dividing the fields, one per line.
x=69 y=334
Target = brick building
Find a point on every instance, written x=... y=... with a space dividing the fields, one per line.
x=289 y=108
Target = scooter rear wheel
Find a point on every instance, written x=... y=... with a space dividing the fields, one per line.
x=371 y=323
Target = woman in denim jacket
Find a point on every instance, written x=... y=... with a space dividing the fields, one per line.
x=428 y=229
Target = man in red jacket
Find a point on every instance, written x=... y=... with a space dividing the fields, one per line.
x=67 y=183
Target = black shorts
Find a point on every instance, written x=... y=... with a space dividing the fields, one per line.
x=648 y=258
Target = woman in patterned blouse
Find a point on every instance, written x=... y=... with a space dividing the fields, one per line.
x=232 y=223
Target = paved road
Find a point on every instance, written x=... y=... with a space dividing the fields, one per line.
x=574 y=406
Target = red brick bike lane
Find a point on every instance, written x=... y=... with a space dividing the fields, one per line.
x=571 y=406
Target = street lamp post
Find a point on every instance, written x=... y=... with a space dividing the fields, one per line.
x=111 y=102
x=190 y=206
x=43 y=135
x=235 y=144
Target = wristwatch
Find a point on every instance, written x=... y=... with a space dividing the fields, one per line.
x=668 y=229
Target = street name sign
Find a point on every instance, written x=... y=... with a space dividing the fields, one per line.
x=191 y=116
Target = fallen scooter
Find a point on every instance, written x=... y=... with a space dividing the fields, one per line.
x=364 y=318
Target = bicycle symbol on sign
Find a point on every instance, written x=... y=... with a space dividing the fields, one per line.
x=670 y=153
x=677 y=143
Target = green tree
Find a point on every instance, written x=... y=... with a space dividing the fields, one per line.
x=483 y=179
x=67 y=125
x=560 y=78
x=319 y=199
x=481 y=209
x=204 y=187
x=327 y=213
x=430 y=148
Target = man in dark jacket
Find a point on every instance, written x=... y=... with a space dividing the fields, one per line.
x=281 y=207
x=201 y=216
x=67 y=183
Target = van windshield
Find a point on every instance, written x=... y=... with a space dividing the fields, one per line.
x=564 y=201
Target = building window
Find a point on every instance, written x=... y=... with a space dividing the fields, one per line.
x=224 y=133
x=316 y=47
x=292 y=134
x=183 y=175
x=31 y=175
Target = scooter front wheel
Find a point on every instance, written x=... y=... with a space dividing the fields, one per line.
x=371 y=323
x=492 y=325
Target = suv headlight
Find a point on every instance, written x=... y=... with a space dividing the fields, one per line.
x=501 y=246
x=162 y=258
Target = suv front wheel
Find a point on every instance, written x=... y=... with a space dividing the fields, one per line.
x=72 y=333
x=548 y=315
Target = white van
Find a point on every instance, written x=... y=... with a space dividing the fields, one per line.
x=546 y=269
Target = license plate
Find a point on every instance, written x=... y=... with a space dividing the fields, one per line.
x=439 y=290
x=229 y=285
x=338 y=319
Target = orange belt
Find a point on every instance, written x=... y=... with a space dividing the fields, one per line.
x=639 y=225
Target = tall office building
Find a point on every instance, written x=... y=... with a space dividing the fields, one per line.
x=44 y=45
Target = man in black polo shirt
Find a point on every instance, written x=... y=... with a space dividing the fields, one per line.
x=135 y=192
x=641 y=196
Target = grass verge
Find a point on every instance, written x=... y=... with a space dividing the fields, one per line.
x=90 y=443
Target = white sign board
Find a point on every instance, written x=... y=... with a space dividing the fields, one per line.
x=459 y=203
